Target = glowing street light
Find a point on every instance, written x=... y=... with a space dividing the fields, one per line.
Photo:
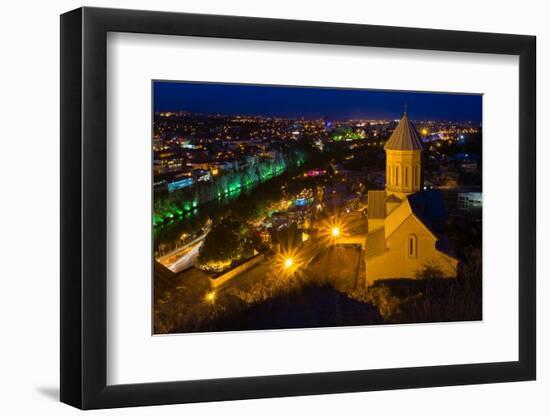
x=210 y=297
x=287 y=262
x=332 y=230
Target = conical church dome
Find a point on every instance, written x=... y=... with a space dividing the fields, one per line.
x=404 y=137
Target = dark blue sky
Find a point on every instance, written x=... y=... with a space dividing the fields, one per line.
x=336 y=103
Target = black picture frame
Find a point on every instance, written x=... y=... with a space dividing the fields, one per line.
x=84 y=207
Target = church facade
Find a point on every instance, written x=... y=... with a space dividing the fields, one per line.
x=404 y=221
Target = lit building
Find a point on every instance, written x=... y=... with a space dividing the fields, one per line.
x=403 y=160
x=469 y=201
x=179 y=184
x=403 y=236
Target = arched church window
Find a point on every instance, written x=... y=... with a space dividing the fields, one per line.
x=412 y=246
x=414 y=176
x=397 y=175
x=406 y=182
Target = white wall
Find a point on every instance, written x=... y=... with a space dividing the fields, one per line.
x=29 y=211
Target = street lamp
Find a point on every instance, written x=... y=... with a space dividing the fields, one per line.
x=211 y=296
x=335 y=231
x=288 y=262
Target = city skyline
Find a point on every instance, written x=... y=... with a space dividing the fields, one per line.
x=313 y=102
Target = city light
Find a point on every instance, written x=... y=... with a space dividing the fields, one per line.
x=210 y=296
x=287 y=262
x=332 y=230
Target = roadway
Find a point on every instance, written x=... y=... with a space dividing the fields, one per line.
x=184 y=257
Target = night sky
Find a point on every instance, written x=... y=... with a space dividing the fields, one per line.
x=336 y=103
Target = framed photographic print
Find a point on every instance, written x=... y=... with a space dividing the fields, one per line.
x=258 y=208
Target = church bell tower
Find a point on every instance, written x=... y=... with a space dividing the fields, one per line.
x=403 y=160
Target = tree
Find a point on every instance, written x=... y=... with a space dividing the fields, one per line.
x=226 y=242
x=289 y=238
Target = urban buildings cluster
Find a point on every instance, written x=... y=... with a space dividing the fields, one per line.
x=190 y=149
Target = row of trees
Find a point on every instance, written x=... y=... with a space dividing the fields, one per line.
x=168 y=205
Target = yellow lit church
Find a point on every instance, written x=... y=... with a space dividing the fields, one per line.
x=404 y=220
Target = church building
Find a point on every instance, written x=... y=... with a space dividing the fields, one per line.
x=404 y=221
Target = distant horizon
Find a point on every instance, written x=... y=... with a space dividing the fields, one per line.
x=190 y=112
x=291 y=102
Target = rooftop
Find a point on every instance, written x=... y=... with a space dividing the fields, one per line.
x=404 y=137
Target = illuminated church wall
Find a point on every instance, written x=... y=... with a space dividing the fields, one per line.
x=403 y=171
x=410 y=248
